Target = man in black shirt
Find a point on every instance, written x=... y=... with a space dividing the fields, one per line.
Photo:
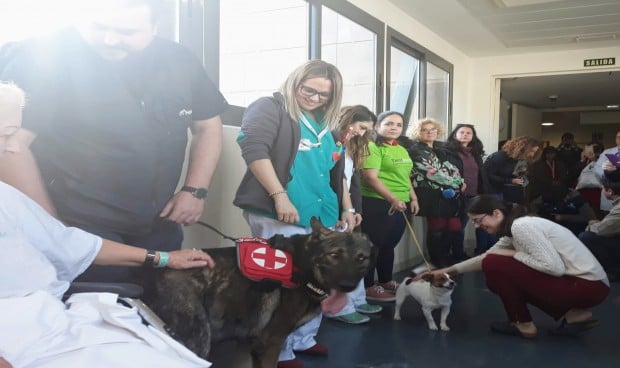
x=109 y=105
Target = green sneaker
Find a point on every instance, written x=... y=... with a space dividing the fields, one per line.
x=368 y=308
x=352 y=318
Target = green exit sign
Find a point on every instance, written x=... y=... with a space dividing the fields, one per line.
x=600 y=62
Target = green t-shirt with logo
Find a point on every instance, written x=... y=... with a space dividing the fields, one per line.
x=394 y=165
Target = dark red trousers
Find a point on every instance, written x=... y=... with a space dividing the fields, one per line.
x=518 y=285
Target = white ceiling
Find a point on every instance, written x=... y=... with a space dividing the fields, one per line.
x=589 y=91
x=501 y=27
x=482 y=28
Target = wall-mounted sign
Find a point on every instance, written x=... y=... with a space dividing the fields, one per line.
x=600 y=62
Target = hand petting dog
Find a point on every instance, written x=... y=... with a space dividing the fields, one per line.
x=189 y=258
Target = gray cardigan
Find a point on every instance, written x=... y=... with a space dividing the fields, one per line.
x=267 y=132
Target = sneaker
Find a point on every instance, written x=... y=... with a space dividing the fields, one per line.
x=352 y=318
x=377 y=293
x=368 y=308
x=389 y=286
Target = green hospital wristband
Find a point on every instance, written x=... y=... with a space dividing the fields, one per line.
x=164 y=258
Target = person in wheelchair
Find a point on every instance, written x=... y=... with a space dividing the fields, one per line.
x=566 y=207
x=41 y=256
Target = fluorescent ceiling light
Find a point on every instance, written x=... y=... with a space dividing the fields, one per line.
x=612 y=106
x=547 y=123
x=514 y=3
x=596 y=37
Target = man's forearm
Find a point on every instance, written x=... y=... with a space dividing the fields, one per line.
x=204 y=152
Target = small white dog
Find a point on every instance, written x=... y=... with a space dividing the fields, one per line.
x=432 y=292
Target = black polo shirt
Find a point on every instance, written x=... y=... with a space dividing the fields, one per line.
x=111 y=136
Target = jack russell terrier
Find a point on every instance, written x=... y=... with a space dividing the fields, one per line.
x=432 y=292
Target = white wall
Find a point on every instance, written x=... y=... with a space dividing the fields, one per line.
x=219 y=210
x=526 y=121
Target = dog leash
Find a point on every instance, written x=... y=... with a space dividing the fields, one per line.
x=391 y=212
x=217 y=231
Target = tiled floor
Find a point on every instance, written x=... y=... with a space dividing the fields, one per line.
x=385 y=343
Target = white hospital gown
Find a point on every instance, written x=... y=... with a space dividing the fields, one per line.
x=40 y=256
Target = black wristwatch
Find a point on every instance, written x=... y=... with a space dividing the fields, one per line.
x=200 y=193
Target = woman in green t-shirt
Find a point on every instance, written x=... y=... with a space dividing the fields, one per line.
x=386 y=186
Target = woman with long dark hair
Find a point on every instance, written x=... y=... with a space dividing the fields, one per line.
x=537 y=262
x=465 y=150
x=352 y=136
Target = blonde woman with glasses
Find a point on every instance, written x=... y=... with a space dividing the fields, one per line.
x=287 y=144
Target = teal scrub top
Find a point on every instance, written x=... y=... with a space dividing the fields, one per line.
x=309 y=189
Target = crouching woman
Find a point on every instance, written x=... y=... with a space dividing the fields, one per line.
x=537 y=262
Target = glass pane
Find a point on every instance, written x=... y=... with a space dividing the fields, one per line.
x=31 y=18
x=352 y=48
x=437 y=94
x=168 y=23
x=21 y=19
x=404 y=84
x=261 y=42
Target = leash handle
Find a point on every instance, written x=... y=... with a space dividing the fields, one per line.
x=216 y=230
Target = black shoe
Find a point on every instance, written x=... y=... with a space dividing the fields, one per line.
x=573 y=329
x=507 y=328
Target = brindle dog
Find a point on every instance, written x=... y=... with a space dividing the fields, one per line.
x=202 y=306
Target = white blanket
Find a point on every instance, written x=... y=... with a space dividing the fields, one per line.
x=92 y=330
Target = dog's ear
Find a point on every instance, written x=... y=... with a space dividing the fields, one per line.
x=428 y=277
x=317 y=228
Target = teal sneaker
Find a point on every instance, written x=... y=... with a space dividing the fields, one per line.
x=352 y=318
x=368 y=308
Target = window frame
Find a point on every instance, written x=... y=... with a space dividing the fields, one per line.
x=198 y=32
x=365 y=20
x=407 y=45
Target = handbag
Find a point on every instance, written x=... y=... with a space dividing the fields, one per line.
x=588 y=178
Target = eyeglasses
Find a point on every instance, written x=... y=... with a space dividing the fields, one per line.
x=431 y=130
x=311 y=92
x=478 y=221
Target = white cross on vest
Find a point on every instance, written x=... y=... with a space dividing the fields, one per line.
x=269 y=258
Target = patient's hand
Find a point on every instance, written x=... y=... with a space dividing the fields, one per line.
x=189 y=258
x=4 y=363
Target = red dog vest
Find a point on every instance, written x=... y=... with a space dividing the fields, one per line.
x=258 y=261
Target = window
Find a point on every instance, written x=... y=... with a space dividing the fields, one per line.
x=261 y=43
x=37 y=18
x=404 y=84
x=437 y=93
x=32 y=18
x=419 y=81
x=352 y=48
